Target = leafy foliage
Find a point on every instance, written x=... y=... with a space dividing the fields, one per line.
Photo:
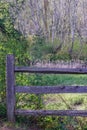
x=40 y=48
x=11 y=42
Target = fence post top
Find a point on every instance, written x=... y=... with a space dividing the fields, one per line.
x=10 y=55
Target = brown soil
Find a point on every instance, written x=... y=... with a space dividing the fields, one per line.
x=7 y=128
x=3 y=126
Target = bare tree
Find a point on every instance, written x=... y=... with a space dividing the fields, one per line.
x=64 y=20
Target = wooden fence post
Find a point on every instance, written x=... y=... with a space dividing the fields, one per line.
x=10 y=90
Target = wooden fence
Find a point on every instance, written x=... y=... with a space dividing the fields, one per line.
x=12 y=89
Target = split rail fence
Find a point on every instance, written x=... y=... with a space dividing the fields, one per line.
x=12 y=89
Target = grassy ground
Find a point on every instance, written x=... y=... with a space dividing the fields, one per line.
x=62 y=101
x=67 y=101
x=4 y=125
x=56 y=102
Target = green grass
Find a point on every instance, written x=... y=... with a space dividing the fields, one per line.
x=52 y=79
x=65 y=101
x=56 y=101
x=66 y=79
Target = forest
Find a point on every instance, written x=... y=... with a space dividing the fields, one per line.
x=44 y=33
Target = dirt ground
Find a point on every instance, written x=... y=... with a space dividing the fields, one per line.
x=7 y=128
x=4 y=125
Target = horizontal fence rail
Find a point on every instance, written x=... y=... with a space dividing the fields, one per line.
x=50 y=89
x=52 y=112
x=12 y=89
x=52 y=70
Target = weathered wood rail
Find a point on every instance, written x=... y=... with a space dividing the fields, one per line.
x=12 y=89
